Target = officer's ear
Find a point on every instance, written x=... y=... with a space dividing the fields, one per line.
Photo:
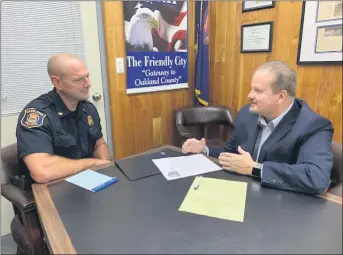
x=55 y=80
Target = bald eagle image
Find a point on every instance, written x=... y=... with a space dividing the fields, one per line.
x=138 y=31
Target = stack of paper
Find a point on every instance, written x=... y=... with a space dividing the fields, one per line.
x=216 y=198
x=184 y=166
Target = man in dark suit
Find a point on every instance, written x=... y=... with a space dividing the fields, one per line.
x=278 y=139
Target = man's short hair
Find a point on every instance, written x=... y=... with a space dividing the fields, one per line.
x=56 y=63
x=285 y=76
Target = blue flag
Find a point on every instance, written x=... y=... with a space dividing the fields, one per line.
x=202 y=56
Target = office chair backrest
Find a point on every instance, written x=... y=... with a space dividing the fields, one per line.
x=204 y=115
x=9 y=163
x=336 y=172
x=215 y=123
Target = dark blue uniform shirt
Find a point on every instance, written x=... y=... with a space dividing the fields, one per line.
x=46 y=125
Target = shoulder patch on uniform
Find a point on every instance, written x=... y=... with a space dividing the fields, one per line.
x=32 y=118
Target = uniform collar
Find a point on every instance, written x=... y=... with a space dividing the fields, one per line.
x=61 y=108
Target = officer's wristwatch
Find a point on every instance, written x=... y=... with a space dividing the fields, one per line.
x=256 y=171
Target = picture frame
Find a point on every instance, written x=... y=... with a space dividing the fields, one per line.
x=257 y=37
x=248 y=6
x=329 y=11
x=331 y=45
x=320 y=35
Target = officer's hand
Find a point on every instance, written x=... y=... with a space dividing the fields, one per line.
x=99 y=162
x=194 y=146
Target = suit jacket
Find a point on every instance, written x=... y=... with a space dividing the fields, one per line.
x=296 y=156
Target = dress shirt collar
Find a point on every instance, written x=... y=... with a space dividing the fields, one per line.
x=262 y=121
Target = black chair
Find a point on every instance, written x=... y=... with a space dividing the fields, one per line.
x=215 y=123
x=337 y=171
x=25 y=227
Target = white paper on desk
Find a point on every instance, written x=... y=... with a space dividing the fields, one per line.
x=184 y=166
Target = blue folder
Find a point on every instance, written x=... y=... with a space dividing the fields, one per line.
x=92 y=180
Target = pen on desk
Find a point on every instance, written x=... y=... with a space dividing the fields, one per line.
x=196 y=186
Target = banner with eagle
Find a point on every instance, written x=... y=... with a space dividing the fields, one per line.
x=156 y=45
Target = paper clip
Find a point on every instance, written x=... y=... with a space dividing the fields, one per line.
x=196 y=186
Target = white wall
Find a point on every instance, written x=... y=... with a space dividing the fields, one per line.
x=92 y=57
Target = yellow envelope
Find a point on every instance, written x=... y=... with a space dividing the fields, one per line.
x=216 y=198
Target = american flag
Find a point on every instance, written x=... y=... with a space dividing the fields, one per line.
x=171 y=34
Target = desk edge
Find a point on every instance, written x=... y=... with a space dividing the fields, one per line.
x=331 y=197
x=57 y=237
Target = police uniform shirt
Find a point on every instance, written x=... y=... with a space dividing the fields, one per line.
x=46 y=125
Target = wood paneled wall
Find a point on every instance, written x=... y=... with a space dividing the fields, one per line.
x=231 y=71
x=140 y=121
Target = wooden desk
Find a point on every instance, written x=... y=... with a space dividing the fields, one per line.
x=142 y=217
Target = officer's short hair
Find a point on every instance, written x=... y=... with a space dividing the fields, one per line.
x=285 y=76
x=50 y=67
x=55 y=63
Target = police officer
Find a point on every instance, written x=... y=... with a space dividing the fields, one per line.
x=59 y=133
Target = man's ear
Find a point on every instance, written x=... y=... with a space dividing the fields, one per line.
x=55 y=80
x=283 y=95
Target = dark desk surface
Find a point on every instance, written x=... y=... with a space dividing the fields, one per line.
x=142 y=217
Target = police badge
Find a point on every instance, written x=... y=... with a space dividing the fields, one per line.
x=90 y=120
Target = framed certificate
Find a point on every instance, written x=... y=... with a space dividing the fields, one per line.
x=256 y=5
x=329 y=39
x=329 y=10
x=320 y=38
x=256 y=37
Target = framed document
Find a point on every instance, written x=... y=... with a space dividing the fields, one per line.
x=256 y=37
x=329 y=10
x=256 y=5
x=329 y=39
x=320 y=38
